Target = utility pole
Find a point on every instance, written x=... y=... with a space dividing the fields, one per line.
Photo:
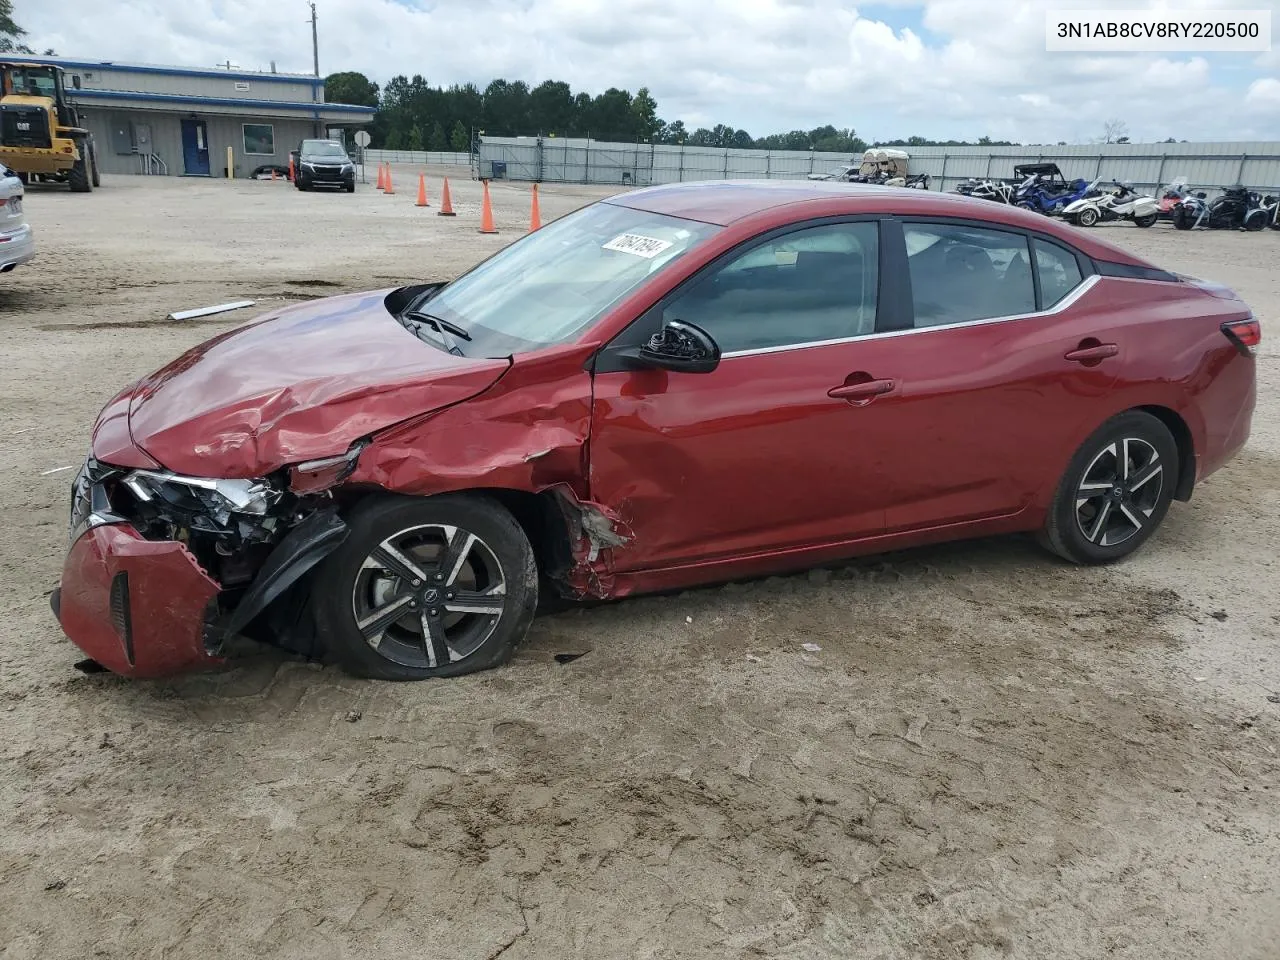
x=315 y=42
x=315 y=60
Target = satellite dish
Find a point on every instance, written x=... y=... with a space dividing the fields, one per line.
x=362 y=138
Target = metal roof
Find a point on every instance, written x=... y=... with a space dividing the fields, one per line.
x=260 y=75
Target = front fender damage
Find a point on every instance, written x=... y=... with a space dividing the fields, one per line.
x=594 y=531
x=527 y=434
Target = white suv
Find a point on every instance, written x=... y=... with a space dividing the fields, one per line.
x=17 y=244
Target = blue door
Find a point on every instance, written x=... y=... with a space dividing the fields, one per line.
x=195 y=147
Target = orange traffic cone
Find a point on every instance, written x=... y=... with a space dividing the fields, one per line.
x=291 y=170
x=381 y=182
x=389 y=190
x=446 y=204
x=486 y=211
x=535 y=215
x=422 y=191
x=273 y=173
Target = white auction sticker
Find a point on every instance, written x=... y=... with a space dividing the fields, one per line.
x=1163 y=30
x=638 y=245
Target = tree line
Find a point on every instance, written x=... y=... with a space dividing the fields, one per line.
x=414 y=115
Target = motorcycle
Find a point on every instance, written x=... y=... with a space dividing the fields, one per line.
x=1272 y=207
x=917 y=181
x=1237 y=208
x=1171 y=196
x=1120 y=203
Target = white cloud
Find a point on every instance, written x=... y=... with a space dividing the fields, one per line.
x=1264 y=94
x=973 y=68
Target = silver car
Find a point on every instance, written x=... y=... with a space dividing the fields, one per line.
x=17 y=244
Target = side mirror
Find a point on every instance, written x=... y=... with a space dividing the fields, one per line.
x=679 y=346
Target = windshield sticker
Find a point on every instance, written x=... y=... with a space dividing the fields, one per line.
x=637 y=245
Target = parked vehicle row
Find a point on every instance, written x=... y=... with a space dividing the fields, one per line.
x=886 y=168
x=1042 y=187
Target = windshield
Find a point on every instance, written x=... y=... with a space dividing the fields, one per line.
x=323 y=148
x=32 y=81
x=554 y=283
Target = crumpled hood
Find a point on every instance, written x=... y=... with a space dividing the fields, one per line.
x=298 y=385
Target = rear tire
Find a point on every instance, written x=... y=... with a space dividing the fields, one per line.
x=1116 y=490
x=1147 y=221
x=78 y=177
x=1255 y=223
x=1182 y=219
x=93 y=167
x=409 y=570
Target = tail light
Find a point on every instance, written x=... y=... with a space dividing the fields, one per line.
x=1244 y=334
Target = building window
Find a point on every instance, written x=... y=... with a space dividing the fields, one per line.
x=259 y=139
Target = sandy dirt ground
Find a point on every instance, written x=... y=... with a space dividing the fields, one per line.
x=992 y=755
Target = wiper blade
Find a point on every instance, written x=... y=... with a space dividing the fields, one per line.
x=439 y=324
x=446 y=329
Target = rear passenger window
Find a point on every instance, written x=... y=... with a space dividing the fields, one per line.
x=961 y=273
x=1058 y=270
x=802 y=287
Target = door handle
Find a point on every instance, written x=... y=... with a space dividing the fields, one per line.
x=1092 y=354
x=865 y=390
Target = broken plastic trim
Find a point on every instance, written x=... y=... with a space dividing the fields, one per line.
x=312 y=476
x=301 y=549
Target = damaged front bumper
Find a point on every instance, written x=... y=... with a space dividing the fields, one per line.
x=147 y=606
x=138 y=607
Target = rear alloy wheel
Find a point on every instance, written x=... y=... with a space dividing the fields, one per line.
x=439 y=586
x=1146 y=221
x=1087 y=217
x=1115 y=492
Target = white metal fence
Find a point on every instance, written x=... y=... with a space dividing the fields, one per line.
x=1146 y=165
x=421 y=158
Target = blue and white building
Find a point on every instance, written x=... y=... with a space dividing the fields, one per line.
x=180 y=121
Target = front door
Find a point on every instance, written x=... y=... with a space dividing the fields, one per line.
x=195 y=147
x=776 y=448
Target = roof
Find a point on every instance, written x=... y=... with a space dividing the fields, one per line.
x=262 y=106
x=724 y=202
x=71 y=63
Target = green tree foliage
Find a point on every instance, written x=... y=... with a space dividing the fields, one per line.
x=11 y=33
x=512 y=108
x=350 y=87
x=458 y=139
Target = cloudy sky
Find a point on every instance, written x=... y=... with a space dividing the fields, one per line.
x=937 y=68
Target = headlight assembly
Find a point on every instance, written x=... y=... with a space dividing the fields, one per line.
x=236 y=496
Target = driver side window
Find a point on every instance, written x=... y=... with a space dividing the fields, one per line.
x=802 y=287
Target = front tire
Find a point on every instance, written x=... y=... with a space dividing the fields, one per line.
x=78 y=176
x=93 y=167
x=1182 y=219
x=1115 y=491
x=427 y=587
x=1087 y=217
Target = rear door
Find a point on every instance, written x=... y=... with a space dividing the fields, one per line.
x=1006 y=358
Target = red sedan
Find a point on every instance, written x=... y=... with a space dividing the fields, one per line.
x=674 y=386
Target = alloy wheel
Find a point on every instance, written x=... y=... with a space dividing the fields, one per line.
x=1119 y=491
x=429 y=595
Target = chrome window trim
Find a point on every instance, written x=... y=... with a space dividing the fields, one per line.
x=1079 y=291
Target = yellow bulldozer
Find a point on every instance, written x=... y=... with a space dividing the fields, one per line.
x=42 y=138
